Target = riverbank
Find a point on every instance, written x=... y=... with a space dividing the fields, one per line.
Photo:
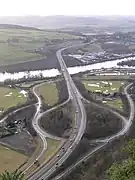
x=55 y=72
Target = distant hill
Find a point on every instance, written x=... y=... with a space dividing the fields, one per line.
x=11 y=26
x=54 y=22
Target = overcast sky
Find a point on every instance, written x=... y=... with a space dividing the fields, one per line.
x=67 y=7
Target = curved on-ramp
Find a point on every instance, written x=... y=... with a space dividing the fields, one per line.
x=35 y=123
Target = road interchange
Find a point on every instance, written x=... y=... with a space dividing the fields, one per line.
x=76 y=94
x=80 y=124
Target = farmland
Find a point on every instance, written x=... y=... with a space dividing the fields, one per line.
x=33 y=35
x=19 y=45
x=13 y=54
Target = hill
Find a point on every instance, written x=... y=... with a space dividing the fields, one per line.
x=12 y=26
x=54 y=22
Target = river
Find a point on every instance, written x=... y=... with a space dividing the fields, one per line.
x=55 y=72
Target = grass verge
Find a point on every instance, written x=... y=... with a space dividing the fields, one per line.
x=52 y=148
x=10 y=159
x=49 y=93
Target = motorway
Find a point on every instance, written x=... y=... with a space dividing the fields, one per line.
x=77 y=132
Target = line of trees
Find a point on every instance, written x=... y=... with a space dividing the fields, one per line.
x=62 y=90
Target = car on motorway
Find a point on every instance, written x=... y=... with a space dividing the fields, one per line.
x=63 y=148
x=36 y=162
x=56 y=165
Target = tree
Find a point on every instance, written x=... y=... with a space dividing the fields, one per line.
x=126 y=169
x=130 y=149
x=16 y=175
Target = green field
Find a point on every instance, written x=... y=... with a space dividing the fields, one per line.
x=103 y=86
x=10 y=159
x=33 y=35
x=49 y=92
x=17 y=45
x=11 y=54
x=10 y=97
